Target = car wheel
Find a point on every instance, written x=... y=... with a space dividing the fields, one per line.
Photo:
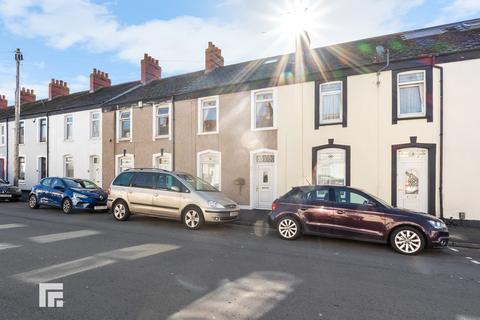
x=33 y=202
x=120 y=210
x=288 y=228
x=67 y=206
x=407 y=240
x=193 y=218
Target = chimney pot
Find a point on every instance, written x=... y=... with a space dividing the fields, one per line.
x=150 y=69
x=213 y=57
x=27 y=96
x=99 y=79
x=57 y=88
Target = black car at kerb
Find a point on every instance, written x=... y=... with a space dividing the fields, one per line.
x=351 y=213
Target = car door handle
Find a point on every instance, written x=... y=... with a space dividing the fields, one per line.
x=340 y=212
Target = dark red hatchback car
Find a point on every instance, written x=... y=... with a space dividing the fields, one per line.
x=351 y=213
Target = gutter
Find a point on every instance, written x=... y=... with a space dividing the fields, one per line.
x=440 y=188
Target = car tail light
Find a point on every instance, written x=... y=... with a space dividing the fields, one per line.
x=274 y=205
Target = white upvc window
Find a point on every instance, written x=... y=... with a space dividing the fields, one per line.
x=68 y=131
x=263 y=109
x=21 y=169
x=331 y=102
x=21 y=133
x=94 y=124
x=3 y=134
x=124 y=162
x=411 y=92
x=68 y=166
x=208 y=115
x=125 y=125
x=209 y=167
x=331 y=166
x=162 y=161
x=42 y=130
x=162 y=115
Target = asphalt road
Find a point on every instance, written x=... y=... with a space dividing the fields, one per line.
x=148 y=268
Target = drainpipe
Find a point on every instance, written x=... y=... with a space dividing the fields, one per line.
x=48 y=146
x=6 y=151
x=173 y=133
x=440 y=189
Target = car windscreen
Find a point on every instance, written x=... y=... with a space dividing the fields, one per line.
x=197 y=183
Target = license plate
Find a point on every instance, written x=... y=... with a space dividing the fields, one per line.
x=233 y=214
x=100 y=208
x=5 y=195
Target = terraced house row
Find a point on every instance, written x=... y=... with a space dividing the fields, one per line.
x=395 y=115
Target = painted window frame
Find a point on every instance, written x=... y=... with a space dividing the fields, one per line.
x=428 y=94
x=253 y=109
x=65 y=127
x=39 y=130
x=332 y=145
x=21 y=136
x=91 y=120
x=409 y=84
x=200 y=113
x=329 y=93
x=200 y=154
x=65 y=165
x=165 y=154
x=119 y=127
x=344 y=104
x=117 y=161
x=155 y=117
x=3 y=134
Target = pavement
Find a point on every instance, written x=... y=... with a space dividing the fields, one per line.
x=148 y=268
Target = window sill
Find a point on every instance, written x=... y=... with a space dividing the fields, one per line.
x=68 y=140
x=329 y=124
x=161 y=137
x=206 y=133
x=124 y=140
x=94 y=138
x=264 y=129
x=413 y=117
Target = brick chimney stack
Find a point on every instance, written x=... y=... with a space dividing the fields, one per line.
x=57 y=88
x=27 y=96
x=213 y=57
x=3 y=102
x=150 y=69
x=99 y=79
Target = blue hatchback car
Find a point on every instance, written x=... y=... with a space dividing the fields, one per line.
x=68 y=194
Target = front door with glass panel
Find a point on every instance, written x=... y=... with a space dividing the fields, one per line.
x=412 y=179
x=95 y=174
x=264 y=182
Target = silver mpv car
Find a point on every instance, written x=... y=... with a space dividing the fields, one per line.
x=171 y=195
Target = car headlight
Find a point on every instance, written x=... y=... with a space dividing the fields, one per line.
x=215 y=204
x=79 y=196
x=437 y=224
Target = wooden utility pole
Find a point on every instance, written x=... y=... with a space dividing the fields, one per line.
x=18 y=58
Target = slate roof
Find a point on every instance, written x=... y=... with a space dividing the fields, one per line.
x=359 y=54
x=77 y=100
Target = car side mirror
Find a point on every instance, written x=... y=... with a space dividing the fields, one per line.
x=175 y=188
x=371 y=204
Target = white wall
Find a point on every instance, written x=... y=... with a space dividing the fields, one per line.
x=462 y=139
x=82 y=147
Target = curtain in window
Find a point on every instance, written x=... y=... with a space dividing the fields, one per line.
x=411 y=99
x=331 y=106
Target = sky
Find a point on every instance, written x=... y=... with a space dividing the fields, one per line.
x=66 y=39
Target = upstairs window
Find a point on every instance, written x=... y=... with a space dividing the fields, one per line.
x=42 y=130
x=208 y=115
x=21 y=132
x=162 y=122
x=68 y=128
x=263 y=110
x=411 y=94
x=95 y=125
x=331 y=102
x=125 y=124
x=3 y=139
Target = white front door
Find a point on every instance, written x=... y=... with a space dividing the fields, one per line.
x=264 y=181
x=95 y=174
x=412 y=179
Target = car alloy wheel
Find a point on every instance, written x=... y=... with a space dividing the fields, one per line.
x=32 y=202
x=288 y=228
x=120 y=211
x=408 y=241
x=67 y=206
x=192 y=219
